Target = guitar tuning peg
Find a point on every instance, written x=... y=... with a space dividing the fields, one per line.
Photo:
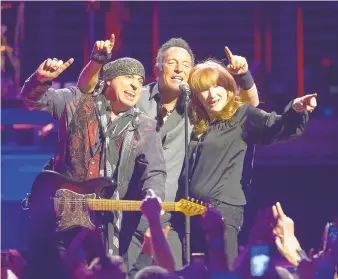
x=201 y=202
x=192 y=199
x=188 y=198
x=197 y=201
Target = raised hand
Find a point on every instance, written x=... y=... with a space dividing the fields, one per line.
x=51 y=69
x=102 y=47
x=147 y=247
x=151 y=208
x=284 y=231
x=288 y=245
x=305 y=103
x=237 y=64
x=281 y=221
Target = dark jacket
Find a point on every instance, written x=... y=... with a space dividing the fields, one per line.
x=75 y=158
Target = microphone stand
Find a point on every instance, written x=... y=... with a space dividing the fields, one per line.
x=186 y=164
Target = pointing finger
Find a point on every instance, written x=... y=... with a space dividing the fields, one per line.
x=228 y=53
x=274 y=212
x=112 y=39
x=280 y=211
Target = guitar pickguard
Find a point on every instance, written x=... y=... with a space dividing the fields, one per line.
x=72 y=210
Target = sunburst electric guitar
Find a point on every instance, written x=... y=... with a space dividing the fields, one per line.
x=73 y=204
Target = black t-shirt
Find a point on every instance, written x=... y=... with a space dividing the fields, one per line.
x=219 y=158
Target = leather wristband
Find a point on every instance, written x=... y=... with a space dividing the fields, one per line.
x=48 y=83
x=245 y=80
x=101 y=58
x=45 y=83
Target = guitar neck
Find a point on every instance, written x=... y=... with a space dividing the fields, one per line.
x=120 y=205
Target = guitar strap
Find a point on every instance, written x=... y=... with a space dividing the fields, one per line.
x=115 y=228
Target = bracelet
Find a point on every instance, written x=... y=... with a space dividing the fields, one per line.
x=101 y=58
x=245 y=80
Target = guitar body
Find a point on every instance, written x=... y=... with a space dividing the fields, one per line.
x=55 y=197
x=63 y=204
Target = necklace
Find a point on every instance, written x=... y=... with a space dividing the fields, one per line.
x=167 y=112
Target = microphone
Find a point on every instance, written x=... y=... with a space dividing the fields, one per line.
x=184 y=87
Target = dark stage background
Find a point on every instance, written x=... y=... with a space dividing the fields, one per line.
x=291 y=47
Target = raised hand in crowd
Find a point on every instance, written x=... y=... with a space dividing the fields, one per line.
x=51 y=69
x=285 y=239
x=147 y=246
x=161 y=250
x=281 y=220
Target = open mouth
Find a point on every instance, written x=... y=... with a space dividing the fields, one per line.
x=177 y=78
x=214 y=102
x=129 y=95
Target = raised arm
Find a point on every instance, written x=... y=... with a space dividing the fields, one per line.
x=101 y=54
x=261 y=127
x=37 y=93
x=239 y=68
x=151 y=209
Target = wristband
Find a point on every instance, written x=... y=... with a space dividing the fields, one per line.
x=45 y=83
x=101 y=58
x=245 y=80
x=48 y=83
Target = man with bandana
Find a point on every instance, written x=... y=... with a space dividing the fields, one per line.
x=102 y=134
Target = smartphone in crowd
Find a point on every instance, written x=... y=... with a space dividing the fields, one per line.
x=259 y=260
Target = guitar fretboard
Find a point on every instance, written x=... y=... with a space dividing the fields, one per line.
x=114 y=205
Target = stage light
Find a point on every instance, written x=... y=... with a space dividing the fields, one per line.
x=328 y=111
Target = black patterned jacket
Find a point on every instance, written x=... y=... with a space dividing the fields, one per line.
x=75 y=157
